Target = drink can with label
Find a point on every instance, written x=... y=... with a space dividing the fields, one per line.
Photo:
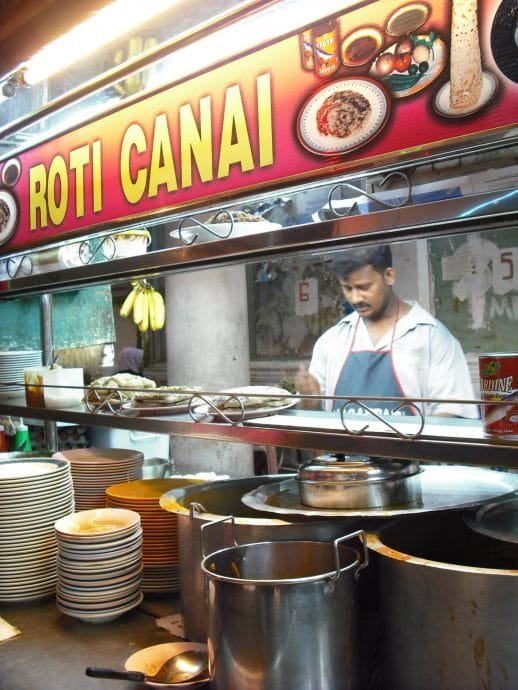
x=499 y=384
x=326 y=48
x=306 y=49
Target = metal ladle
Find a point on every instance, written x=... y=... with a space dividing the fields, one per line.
x=184 y=666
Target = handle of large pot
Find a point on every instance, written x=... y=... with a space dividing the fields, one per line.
x=359 y=533
x=196 y=507
x=217 y=522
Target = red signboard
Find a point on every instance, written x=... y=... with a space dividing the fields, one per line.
x=385 y=80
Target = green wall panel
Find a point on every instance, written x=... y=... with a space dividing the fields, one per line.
x=80 y=318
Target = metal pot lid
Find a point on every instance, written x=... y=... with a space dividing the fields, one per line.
x=349 y=469
x=498 y=519
x=443 y=487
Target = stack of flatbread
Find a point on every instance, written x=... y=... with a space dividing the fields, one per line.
x=252 y=397
x=114 y=387
x=164 y=396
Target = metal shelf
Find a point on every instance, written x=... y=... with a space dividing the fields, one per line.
x=482 y=211
x=439 y=218
x=465 y=446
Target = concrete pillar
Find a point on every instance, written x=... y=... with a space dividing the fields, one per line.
x=207 y=345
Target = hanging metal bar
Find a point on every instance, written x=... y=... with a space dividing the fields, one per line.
x=373 y=197
x=47 y=342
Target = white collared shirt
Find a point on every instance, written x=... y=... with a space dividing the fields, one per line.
x=428 y=360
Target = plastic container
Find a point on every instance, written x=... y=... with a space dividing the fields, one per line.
x=70 y=395
x=151 y=445
x=33 y=379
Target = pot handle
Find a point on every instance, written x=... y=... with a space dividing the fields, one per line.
x=196 y=507
x=361 y=565
x=216 y=522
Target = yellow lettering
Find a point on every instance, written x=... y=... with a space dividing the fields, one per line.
x=97 y=181
x=133 y=188
x=37 y=197
x=196 y=143
x=162 y=164
x=264 y=120
x=57 y=191
x=235 y=142
x=79 y=158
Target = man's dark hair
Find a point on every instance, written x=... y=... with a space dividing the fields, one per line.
x=378 y=256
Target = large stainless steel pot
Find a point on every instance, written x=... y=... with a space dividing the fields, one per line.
x=449 y=605
x=197 y=505
x=284 y=615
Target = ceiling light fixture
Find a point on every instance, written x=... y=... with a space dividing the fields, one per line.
x=111 y=22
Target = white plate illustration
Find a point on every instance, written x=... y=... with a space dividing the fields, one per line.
x=8 y=215
x=488 y=91
x=373 y=122
x=403 y=84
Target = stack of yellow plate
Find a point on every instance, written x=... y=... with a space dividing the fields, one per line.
x=159 y=528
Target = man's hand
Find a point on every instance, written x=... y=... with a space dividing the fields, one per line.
x=308 y=385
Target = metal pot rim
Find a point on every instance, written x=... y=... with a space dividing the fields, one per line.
x=330 y=575
x=375 y=544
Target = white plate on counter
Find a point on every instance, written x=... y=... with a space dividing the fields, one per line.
x=207 y=412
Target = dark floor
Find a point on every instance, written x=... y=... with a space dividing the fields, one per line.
x=54 y=650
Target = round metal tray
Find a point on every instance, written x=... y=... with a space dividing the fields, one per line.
x=498 y=519
x=443 y=487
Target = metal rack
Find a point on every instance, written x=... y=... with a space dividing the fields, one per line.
x=495 y=209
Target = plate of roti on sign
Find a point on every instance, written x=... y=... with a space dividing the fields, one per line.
x=343 y=115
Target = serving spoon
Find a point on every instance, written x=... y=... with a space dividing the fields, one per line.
x=184 y=666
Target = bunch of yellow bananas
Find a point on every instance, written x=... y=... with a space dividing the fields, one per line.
x=147 y=305
x=135 y=46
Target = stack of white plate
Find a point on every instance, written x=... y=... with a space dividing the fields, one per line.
x=34 y=493
x=94 y=469
x=99 y=564
x=12 y=364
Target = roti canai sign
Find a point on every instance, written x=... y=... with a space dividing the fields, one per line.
x=382 y=82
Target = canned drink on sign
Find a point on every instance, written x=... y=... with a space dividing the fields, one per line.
x=306 y=49
x=326 y=48
x=499 y=383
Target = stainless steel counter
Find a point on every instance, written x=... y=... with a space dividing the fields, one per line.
x=53 y=650
x=443 y=440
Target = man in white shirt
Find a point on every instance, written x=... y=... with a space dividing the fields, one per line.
x=386 y=347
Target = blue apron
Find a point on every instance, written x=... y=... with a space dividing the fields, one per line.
x=370 y=372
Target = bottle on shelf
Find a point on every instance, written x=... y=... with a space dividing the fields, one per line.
x=22 y=440
x=4 y=447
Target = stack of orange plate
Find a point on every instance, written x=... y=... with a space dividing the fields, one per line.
x=93 y=469
x=159 y=528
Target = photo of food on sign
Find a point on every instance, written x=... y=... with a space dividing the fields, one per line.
x=422 y=50
x=8 y=203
